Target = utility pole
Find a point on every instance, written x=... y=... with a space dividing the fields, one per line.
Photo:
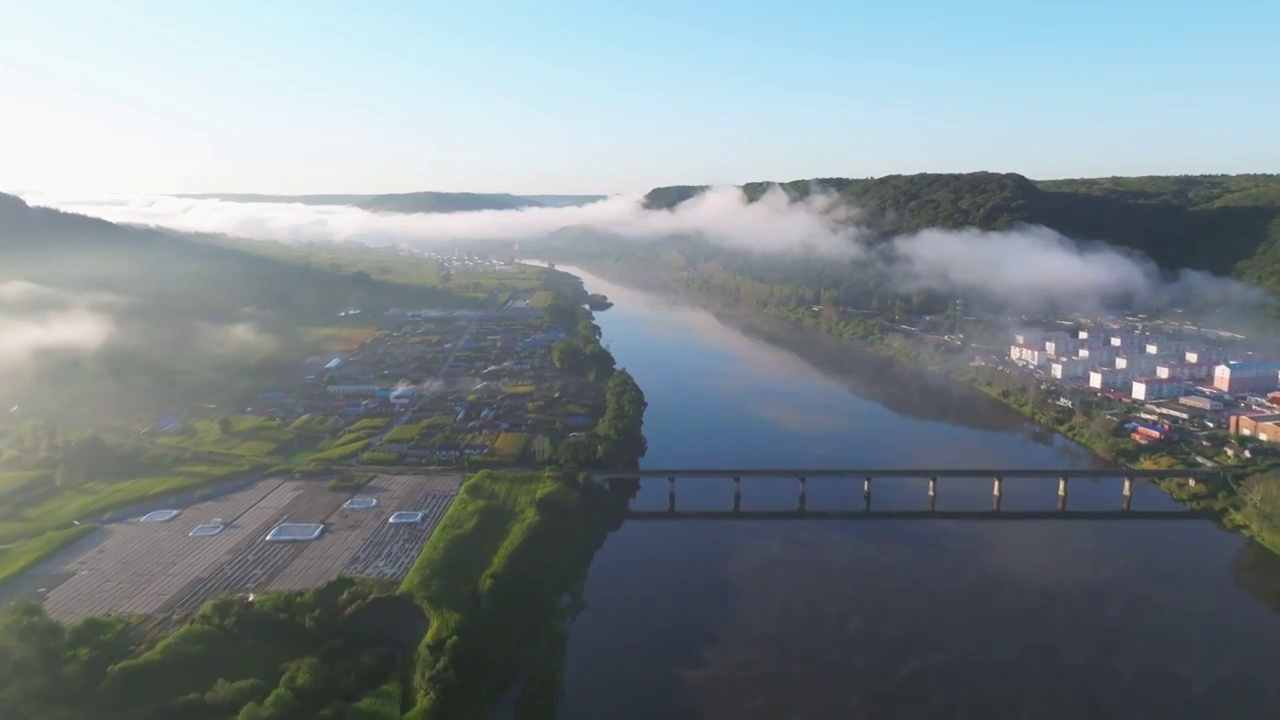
x=959 y=313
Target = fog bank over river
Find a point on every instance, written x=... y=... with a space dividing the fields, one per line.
x=889 y=619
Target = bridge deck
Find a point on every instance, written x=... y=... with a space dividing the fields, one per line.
x=915 y=515
x=879 y=473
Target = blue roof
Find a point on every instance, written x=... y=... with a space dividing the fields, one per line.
x=1255 y=365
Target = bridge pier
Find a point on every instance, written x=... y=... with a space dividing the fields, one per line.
x=1062 y=493
x=1127 y=493
x=671 y=494
x=997 y=492
x=933 y=492
x=800 y=505
x=737 y=494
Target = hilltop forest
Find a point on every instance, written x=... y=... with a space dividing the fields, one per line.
x=1225 y=224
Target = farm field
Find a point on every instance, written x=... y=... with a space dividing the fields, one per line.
x=160 y=567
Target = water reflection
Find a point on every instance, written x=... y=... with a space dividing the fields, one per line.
x=920 y=619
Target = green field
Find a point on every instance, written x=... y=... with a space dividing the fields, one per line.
x=235 y=434
x=18 y=558
x=85 y=502
x=495 y=569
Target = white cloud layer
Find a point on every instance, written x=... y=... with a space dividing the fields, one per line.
x=1030 y=266
x=74 y=330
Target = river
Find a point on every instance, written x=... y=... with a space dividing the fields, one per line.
x=892 y=619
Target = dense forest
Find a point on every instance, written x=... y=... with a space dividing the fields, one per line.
x=1225 y=224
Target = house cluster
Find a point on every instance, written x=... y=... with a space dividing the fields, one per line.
x=462 y=263
x=1172 y=378
x=440 y=387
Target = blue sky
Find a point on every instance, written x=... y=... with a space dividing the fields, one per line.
x=575 y=96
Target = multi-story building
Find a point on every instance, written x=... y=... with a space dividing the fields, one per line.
x=1067 y=368
x=1264 y=427
x=1028 y=337
x=1082 y=334
x=1025 y=354
x=1251 y=376
x=1166 y=347
x=1137 y=363
x=1098 y=354
x=1205 y=355
x=1109 y=378
x=1120 y=341
x=1157 y=389
x=1184 y=371
x=1061 y=348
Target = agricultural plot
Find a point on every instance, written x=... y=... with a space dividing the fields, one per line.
x=220 y=546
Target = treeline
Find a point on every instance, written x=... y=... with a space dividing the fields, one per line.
x=1222 y=224
x=618 y=438
x=275 y=656
x=494 y=578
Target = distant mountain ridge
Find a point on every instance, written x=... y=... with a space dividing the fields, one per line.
x=414 y=202
x=1226 y=224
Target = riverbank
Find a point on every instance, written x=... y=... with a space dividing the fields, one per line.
x=1247 y=502
x=493 y=579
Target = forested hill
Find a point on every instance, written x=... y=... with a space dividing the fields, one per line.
x=416 y=202
x=1227 y=224
x=185 y=320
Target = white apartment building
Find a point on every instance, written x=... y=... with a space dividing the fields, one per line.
x=1158 y=389
x=1098 y=354
x=1207 y=356
x=1137 y=363
x=1061 y=347
x=1166 y=347
x=1184 y=371
x=1109 y=378
x=1025 y=354
x=1067 y=368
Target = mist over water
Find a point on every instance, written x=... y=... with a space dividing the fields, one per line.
x=1029 y=267
x=1030 y=619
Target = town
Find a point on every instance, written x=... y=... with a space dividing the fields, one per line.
x=426 y=387
x=1178 y=385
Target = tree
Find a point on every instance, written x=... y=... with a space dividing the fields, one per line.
x=1260 y=495
x=224 y=425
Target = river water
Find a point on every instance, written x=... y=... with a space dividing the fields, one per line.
x=892 y=619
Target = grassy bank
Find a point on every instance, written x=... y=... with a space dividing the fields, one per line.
x=493 y=577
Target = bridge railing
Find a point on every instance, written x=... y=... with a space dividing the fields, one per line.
x=997 y=476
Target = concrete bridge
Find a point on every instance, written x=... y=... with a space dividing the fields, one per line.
x=998 y=477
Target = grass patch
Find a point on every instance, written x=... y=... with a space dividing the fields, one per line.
x=374 y=424
x=510 y=446
x=88 y=501
x=541 y=299
x=341 y=452
x=492 y=576
x=381 y=704
x=16 y=484
x=403 y=434
x=23 y=556
x=239 y=434
x=257 y=447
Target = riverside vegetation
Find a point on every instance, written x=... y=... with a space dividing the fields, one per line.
x=1222 y=224
x=484 y=604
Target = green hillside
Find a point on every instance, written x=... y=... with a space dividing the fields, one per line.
x=1226 y=224
x=189 y=321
